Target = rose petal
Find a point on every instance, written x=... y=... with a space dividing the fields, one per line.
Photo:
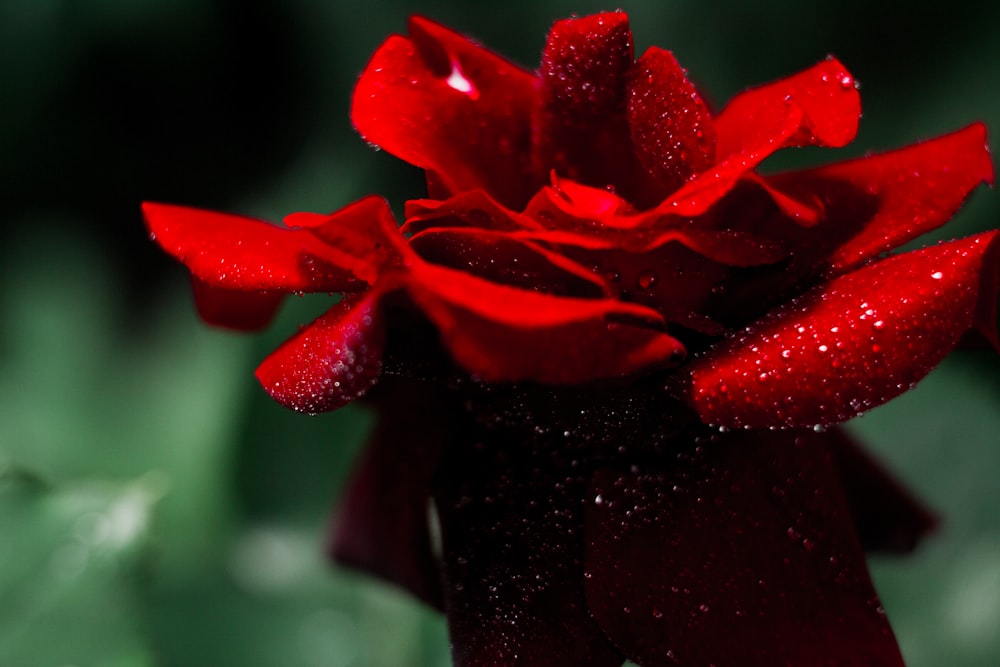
x=234 y=252
x=503 y=334
x=513 y=548
x=473 y=208
x=819 y=106
x=503 y=259
x=848 y=345
x=670 y=126
x=331 y=362
x=898 y=196
x=233 y=309
x=887 y=516
x=366 y=231
x=740 y=552
x=823 y=101
x=580 y=129
x=381 y=525
x=447 y=105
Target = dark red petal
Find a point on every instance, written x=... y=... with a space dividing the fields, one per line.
x=848 y=345
x=381 y=525
x=233 y=309
x=740 y=553
x=238 y=253
x=900 y=195
x=512 y=534
x=671 y=128
x=500 y=333
x=473 y=208
x=331 y=362
x=733 y=248
x=504 y=259
x=887 y=516
x=819 y=106
x=445 y=104
x=366 y=231
x=580 y=129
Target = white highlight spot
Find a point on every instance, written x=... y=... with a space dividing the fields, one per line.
x=459 y=82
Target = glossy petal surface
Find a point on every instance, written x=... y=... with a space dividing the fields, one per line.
x=738 y=553
x=234 y=309
x=442 y=103
x=848 y=345
x=239 y=253
x=896 y=196
x=331 y=362
x=819 y=106
x=503 y=334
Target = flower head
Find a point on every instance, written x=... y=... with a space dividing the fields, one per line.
x=561 y=339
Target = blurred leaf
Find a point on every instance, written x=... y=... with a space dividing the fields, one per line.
x=82 y=394
x=276 y=601
x=68 y=568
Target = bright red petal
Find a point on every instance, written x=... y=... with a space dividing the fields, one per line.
x=499 y=333
x=365 y=231
x=238 y=253
x=850 y=344
x=819 y=106
x=233 y=309
x=443 y=103
x=331 y=362
x=898 y=196
x=741 y=552
x=671 y=128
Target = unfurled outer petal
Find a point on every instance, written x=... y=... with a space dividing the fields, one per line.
x=382 y=523
x=234 y=309
x=852 y=343
x=887 y=516
x=671 y=129
x=738 y=551
x=503 y=334
x=898 y=196
x=817 y=107
x=234 y=252
x=447 y=105
x=331 y=362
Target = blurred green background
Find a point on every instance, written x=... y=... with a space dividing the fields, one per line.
x=156 y=508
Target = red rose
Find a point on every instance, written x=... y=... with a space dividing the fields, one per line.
x=607 y=349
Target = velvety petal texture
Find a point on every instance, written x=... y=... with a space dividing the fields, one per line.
x=846 y=346
x=333 y=361
x=737 y=553
x=607 y=357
